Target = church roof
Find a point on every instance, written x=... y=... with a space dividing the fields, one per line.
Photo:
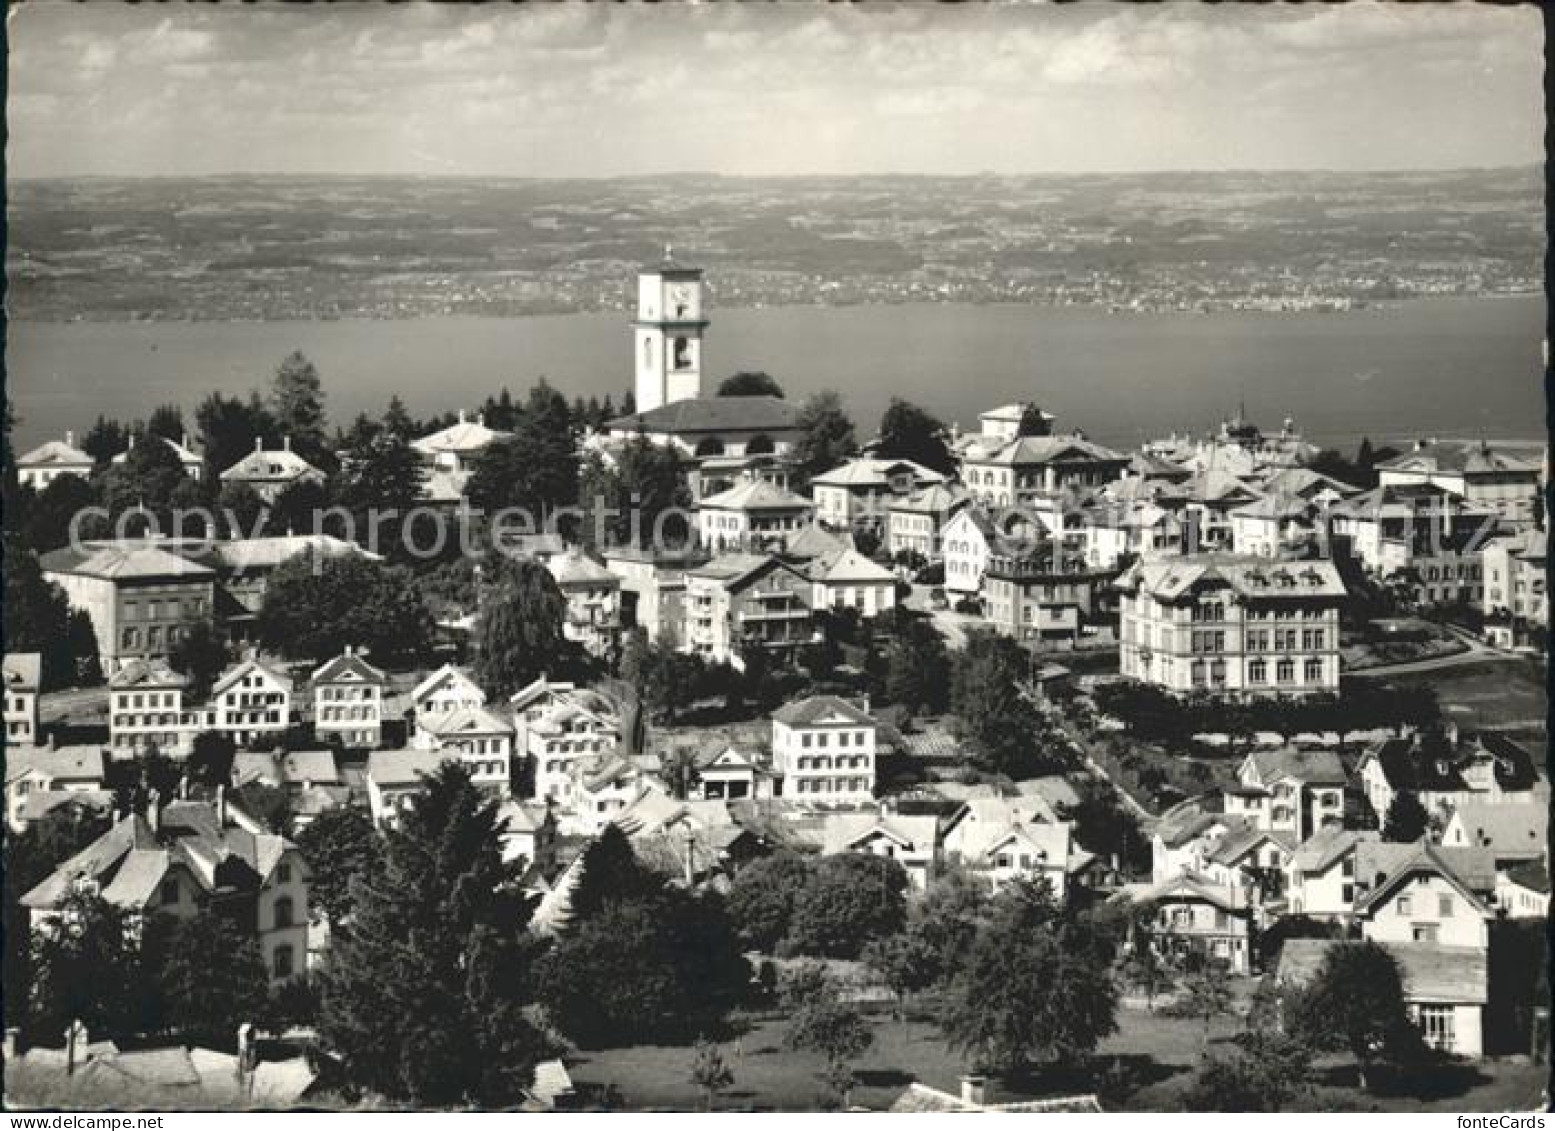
x=712 y=414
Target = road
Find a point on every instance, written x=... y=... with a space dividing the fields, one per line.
x=1478 y=652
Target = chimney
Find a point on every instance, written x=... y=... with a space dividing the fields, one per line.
x=53 y=740
x=70 y=438
x=154 y=810
x=259 y=443
x=286 y=442
x=480 y=418
x=221 y=806
x=461 y=416
x=76 y=1040
x=131 y=447
x=974 y=1090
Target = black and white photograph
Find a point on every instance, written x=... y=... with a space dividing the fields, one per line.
x=736 y=557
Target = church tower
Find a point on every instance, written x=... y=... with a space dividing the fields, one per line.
x=667 y=334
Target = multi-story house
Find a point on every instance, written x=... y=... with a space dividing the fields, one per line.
x=561 y=728
x=140 y=597
x=1044 y=594
x=1290 y=791
x=450 y=453
x=446 y=690
x=1009 y=473
x=1187 y=833
x=1198 y=918
x=1206 y=502
x=1446 y=772
x=1516 y=601
x=348 y=701
x=1320 y=880
x=22 y=674
x=47 y=462
x=593 y=596
x=271 y=473
x=1514 y=834
x=1492 y=478
x=310 y=779
x=914 y=523
x=1232 y=625
x=252 y=702
x=182 y=859
x=860 y=492
x=752 y=515
x=1250 y=864
x=395 y=778
x=482 y=741
x=37 y=777
x=824 y=748
x=1111 y=532
x=653 y=588
x=911 y=841
x=740 y=601
x=1002 y=839
x=1274 y=526
x=1420 y=537
x=244 y=567
x=966 y=541
x=847 y=579
x=1523 y=892
x=146 y=708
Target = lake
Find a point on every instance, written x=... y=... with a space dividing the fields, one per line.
x=1448 y=366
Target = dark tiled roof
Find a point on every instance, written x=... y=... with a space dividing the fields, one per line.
x=807 y=712
x=712 y=414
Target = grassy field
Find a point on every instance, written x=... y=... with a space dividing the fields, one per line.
x=1496 y=694
x=1156 y=1054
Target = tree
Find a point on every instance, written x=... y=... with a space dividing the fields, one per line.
x=1355 y=1002
x=297 y=401
x=424 y=1000
x=210 y=758
x=381 y=475
x=1407 y=820
x=821 y=1023
x=762 y=898
x=535 y=468
x=201 y=654
x=1035 y=985
x=639 y=960
x=908 y=432
x=904 y=963
x=826 y=436
x=166 y=422
x=1206 y=995
x=1267 y=1073
x=709 y=1071
x=316 y=604
x=48 y=522
x=147 y=479
x=88 y=969
x=228 y=428
x=1144 y=969
x=397 y=421
x=36 y=616
x=518 y=630
x=850 y=899
x=749 y=384
x=917 y=665
x=1103 y=826
x=1033 y=422
x=211 y=977
x=640 y=500
x=1003 y=726
x=104 y=440
x=340 y=845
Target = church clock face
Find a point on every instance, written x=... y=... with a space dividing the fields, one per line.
x=680 y=298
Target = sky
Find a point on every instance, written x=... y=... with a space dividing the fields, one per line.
x=575 y=90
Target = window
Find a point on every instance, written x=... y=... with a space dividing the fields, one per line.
x=1424 y=932
x=283 y=911
x=283 y=872
x=1405 y=906
x=1435 y=1023
x=170 y=891
x=1258 y=672
x=1285 y=671
x=1444 y=906
x=1313 y=671
x=284 y=962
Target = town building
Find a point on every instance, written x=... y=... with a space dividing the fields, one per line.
x=861 y=491
x=395 y=778
x=270 y=473
x=23 y=673
x=966 y=540
x=182 y=859
x=1011 y=473
x=846 y=579
x=450 y=454
x=311 y=780
x=1001 y=839
x=252 y=702
x=446 y=690
x=1290 y=791
x=1491 y=478
x=561 y=728
x=1187 y=833
x=1278 y=525
x=1446 y=772
x=752 y=515
x=1205 y=503
x=146 y=709
x=1043 y=594
x=593 y=596
x=653 y=588
x=1250 y=863
x=914 y=523
x=911 y=841
x=1523 y=892
x=348 y=701
x=47 y=462
x=739 y=601
x=1419 y=537
x=1232 y=625
x=1194 y=917
x=141 y=598
x=1513 y=834
x=480 y=739
x=824 y=747
x=1516 y=601
x=1320 y=879
x=730 y=774
x=244 y=567
x=38 y=778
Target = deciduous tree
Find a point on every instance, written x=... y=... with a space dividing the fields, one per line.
x=749 y=384
x=850 y=899
x=316 y=604
x=518 y=630
x=826 y=436
x=342 y=848
x=762 y=898
x=908 y=432
x=1355 y=1002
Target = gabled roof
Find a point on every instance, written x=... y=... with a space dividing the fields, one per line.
x=842 y=832
x=261 y=465
x=1186 y=887
x=733 y=571
x=875 y=473
x=1459 y=457
x=972 y=518
x=1519 y=829
x=1000 y=812
x=577 y=568
x=55 y=453
x=1325 y=848
x=1310 y=767
x=849 y=566
x=937 y=499
x=1428 y=858
x=463 y=436
x=1432 y=973
x=147 y=673
x=23 y=670
x=1051 y=841
x=66 y=764
x=1305 y=482
x=712 y=414
x=755 y=495
x=128 y=561
x=1217 y=486
x=390 y=768
x=1276 y=506
x=447 y=671
x=1238 y=843
x=1191 y=818
x=539 y=689
x=348 y=668
x=295 y=767
x=1533 y=875
x=816 y=541
x=244 y=555
x=183 y=454
x=243 y=668
x=1034 y=451
x=465 y=720
x=822 y=709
